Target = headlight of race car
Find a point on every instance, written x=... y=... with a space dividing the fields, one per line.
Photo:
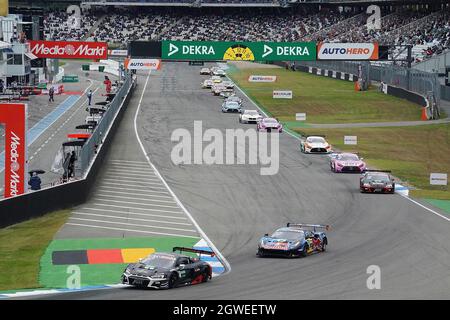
x=127 y=271
x=389 y=185
x=295 y=244
x=367 y=185
x=261 y=243
x=159 y=276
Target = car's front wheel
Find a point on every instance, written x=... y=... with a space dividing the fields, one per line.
x=173 y=280
x=304 y=252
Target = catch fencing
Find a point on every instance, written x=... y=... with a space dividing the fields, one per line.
x=90 y=148
x=417 y=81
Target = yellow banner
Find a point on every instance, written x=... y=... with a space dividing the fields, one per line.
x=4 y=8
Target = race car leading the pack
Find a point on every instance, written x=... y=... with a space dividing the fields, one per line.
x=250 y=116
x=379 y=181
x=269 y=125
x=294 y=240
x=315 y=144
x=168 y=270
x=346 y=162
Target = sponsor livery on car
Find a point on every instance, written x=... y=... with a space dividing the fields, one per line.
x=269 y=125
x=216 y=79
x=219 y=72
x=294 y=240
x=379 y=181
x=168 y=270
x=234 y=98
x=315 y=144
x=346 y=162
x=249 y=116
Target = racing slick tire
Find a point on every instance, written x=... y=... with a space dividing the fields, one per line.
x=260 y=254
x=324 y=245
x=205 y=276
x=304 y=252
x=172 y=280
x=240 y=120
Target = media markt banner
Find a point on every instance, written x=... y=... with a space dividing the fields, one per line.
x=238 y=51
x=69 y=49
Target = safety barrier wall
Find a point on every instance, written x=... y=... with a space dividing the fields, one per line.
x=445 y=92
x=35 y=204
x=349 y=76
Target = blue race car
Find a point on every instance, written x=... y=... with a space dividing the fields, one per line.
x=294 y=240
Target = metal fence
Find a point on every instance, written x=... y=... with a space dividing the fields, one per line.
x=91 y=146
x=417 y=81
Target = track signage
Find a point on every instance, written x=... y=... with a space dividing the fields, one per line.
x=237 y=51
x=347 y=51
x=69 y=49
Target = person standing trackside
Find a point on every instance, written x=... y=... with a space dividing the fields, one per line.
x=51 y=93
x=89 y=96
x=35 y=182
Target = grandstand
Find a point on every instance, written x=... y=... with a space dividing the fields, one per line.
x=424 y=26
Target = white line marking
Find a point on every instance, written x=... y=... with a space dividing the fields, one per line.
x=426 y=208
x=128 y=218
x=138 y=203
x=129 y=230
x=138 y=214
x=131 y=175
x=129 y=161
x=132 y=185
x=132 y=189
x=132 y=193
x=134 y=224
x=140 y=171
x=134 y=180
x=202 y=233
x=132 y=198
x=133 y=166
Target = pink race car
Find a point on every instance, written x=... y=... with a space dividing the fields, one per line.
x=269 y=125
x=347 y=162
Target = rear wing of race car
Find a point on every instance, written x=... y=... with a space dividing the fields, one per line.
x=305 y=225
x=200 y=252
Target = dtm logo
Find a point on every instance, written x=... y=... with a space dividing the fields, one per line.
x=14 y=157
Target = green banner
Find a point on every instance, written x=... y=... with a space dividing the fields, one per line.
x=235 y=51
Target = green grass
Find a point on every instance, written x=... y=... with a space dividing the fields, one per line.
x=412 y=153
x=324 y=100
x=21 y=248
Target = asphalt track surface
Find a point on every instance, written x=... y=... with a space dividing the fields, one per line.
x=235 y=206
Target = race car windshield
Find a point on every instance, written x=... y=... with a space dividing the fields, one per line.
x=316 y=140
x=251 y=113
x=232 y=104
x=349 y=157
x=378 y=177
x=288 y=235
x=270 y=121
x=159 y=261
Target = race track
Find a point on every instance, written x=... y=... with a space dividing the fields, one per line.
x=235 y=206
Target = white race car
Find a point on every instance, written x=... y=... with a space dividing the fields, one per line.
x=228 y=84
x=250 y=116
x=205 y=71
x=207 y=84
x=315 y=144
x=219 y=72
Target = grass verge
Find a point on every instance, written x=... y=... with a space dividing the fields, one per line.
x=21 y=248
x=412 y=153
x=325 y=100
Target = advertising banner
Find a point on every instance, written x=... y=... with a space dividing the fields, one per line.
x=352 y=140
x=14 y=118
x=69 y=49
x=282 y=94
x=238 y=51
x=142 y=64
x=254 y=78
x=438 y=179
x=118 y=53
x=300 y=116
x=347 y=51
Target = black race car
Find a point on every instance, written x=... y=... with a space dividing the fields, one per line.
x=376 y=181
x=168 y=270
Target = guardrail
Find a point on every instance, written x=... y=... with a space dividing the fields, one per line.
x=37 y=203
